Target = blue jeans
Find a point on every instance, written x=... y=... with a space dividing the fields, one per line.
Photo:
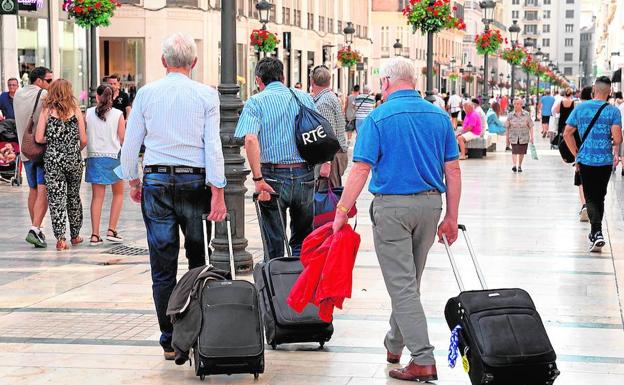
x=170 y=203
x=35 y=174
x=296 y=190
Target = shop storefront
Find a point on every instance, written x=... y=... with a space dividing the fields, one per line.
x=33 y=40
x=126 y=58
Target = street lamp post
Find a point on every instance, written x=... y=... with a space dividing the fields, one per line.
x=349 y=31
x=539 y=55
x=528 y=43
x=429 y=93
x=514 y=32
x=93 y=64
x=487 y=7
x=453 y=84
x=469 y=70
x=264 y=10
x=493 y=79
x=235 y=170
x=398 y=47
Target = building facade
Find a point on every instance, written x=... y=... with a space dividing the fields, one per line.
x=609 y=53
x=555 y=24
x=310 y=33
x=45 y=37
x=389 y=26
x=586 y=75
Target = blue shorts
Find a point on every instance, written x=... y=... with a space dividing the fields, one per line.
x=101 y=170
x=35 y=174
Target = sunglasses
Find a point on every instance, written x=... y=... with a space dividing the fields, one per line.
x=48 y=80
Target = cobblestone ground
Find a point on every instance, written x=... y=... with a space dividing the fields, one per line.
x=86 y=316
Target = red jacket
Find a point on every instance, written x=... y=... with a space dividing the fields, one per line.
x=326 y=281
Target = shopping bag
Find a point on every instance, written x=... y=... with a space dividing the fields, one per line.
x=533 y=151
x=325 y=203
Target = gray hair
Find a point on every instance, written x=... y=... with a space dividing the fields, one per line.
x=179 y=50
x=321 y=77
x=400 y=68
x=435 y=91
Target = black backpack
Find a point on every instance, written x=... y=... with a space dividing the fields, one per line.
x=316 y=140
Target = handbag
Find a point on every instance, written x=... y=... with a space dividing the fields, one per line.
x=350 y=127
x=30 y=148
x=565 y=152
x=325 y=203
x=316 y=140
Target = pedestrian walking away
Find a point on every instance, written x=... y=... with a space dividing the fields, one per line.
x=364 y=104
x=178 y=120
x=564 y=109
x=546 y=103
x=598 y=154
x=519 y=127
x=62 y=127
x=267 y=124
x=105 y=134
x=28 y=103
x=455 y=102
x=329 y=106
x=407 y=204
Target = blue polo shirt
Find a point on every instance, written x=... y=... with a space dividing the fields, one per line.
x=597 y=150
x=406 y=141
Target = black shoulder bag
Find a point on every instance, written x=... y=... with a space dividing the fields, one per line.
x=564 y=150
x=316 y=140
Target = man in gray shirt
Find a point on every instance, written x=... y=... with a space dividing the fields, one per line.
x=23 y=104
x=329 y=106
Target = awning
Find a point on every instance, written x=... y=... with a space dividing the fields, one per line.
x=617 y=76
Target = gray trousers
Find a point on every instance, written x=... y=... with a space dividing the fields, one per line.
x=404 y=229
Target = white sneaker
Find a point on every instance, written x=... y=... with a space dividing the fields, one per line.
x=583 y=217
x=596 y=242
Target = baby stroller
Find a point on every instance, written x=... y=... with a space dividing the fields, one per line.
x=10 y=170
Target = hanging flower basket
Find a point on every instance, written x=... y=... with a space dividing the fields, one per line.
x=529 y=65
x=489 y=42
x=468 y=78
x=492 y=83
x=426 y=16
x=424 y=70
x=91 y=13
x=514 y=56
x=263 y=40
x=453 y=76
x=479 y=79
x=502 y=85
x=348 y=57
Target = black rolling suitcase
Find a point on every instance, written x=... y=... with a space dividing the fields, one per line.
x=274 y=279
x=500 y=335
x=230 y=340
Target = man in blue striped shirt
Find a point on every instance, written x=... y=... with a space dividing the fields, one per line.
x=178 y=120
x=268 y=125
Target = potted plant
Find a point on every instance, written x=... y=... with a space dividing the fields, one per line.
x=263 y=40
x=424 y=70
x=432 y=16
x=91 y=13
x=468 y=78
x=453 y=76
x=514 y=56
x=489 y=42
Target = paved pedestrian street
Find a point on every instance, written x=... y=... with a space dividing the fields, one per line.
x=86 y=316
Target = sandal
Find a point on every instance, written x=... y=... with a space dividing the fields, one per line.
x=61 y=245
x=98 y=240
x=77 y=240
x=113 y=236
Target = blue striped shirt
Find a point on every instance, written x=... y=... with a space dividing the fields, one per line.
x=271 y=115
x=178 y=121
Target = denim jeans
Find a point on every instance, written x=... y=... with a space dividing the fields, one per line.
x=170 y=203
x=296 y=190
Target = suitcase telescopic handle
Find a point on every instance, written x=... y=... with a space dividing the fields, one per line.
x=282 y=222
x=228 y=224
x=473 y=256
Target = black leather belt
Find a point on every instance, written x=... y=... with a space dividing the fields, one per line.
x=174 y=170
x=427 y=192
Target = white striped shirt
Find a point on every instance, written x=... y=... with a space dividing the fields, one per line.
x=178 y=121
x=271 y=115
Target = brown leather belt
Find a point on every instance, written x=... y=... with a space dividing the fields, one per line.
x=285 y=166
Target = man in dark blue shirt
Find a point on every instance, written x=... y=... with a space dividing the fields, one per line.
x=410 y=147
x=6 y=99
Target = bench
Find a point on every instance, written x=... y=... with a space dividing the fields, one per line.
x=478 y=148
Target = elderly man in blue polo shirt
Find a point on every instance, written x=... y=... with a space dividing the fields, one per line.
x=268 y=125
x=409 y=145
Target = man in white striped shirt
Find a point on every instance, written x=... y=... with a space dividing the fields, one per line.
x=178 y=121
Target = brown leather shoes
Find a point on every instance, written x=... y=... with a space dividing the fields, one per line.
x=169 y=356
x=415 y=372
x=393 y=358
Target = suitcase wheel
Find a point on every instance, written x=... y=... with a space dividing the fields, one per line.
x=256 y=376
x=322 y=344
x=202 y=377
x=273 y=346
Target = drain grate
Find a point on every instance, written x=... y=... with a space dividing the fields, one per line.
x=127 y=250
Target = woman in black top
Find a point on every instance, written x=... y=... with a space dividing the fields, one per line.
x=564 y=109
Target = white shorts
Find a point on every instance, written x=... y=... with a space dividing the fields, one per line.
x=468 y=136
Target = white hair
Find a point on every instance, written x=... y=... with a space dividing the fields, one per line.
x=400 y=68
x=366 y=89
x=179 y=50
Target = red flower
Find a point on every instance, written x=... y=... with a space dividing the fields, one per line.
x=98 y=5
x=78 y=10
x=90 y=8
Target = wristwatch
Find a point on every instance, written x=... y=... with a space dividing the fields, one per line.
x=258 y=179
x=341 y=208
